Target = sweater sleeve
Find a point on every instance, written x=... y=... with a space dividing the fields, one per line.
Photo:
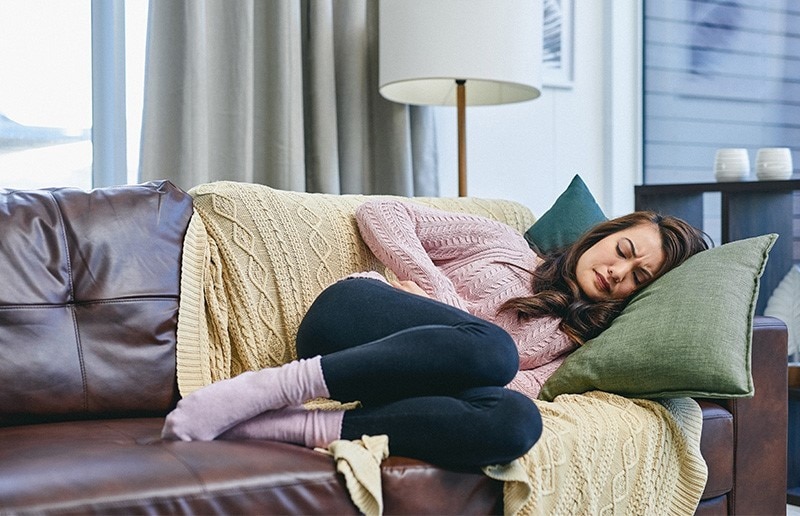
x=416 y=241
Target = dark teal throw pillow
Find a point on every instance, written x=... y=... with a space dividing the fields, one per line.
x=574 y=213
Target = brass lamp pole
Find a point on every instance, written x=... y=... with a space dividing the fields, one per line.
x=461 y=104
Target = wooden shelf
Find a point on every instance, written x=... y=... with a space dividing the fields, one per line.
x=727 y=186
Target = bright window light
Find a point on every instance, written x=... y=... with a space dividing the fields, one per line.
x=46 y=91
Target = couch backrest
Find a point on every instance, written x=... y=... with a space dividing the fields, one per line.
x=270 y=253
x=88 y=300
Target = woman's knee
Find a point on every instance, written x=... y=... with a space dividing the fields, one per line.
x=530 y=426
x=327 y=325
x=517 y=425
x=319 y=320
x=495 y=354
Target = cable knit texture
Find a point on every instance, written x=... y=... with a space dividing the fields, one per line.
x=472 y=263
x=254 y=260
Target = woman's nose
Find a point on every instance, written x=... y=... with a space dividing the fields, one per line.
x=620 y=271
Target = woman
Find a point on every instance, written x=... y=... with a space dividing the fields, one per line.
x=429 y=355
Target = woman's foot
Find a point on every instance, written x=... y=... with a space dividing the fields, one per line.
x=310 y=428
x=210 y=411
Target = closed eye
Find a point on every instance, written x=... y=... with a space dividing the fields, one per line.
x=642 y=276
x=639 y=276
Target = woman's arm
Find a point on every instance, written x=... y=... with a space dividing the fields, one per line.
x=414 y=241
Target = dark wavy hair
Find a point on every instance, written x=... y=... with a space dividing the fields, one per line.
x=556 y=285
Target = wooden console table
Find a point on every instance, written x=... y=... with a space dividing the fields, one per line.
x=748 y=208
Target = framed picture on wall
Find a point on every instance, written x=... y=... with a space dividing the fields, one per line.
x=557 y=45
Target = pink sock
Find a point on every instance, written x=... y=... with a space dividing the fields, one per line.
x=311 y=428
x=207 y=412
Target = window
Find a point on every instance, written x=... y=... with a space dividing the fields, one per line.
x=71 y=91
x=718 y=74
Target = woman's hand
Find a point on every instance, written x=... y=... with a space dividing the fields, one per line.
x=409 y=286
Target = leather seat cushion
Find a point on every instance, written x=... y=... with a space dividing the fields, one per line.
x=122 y=466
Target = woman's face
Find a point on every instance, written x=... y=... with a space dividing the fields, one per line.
x=621 y=263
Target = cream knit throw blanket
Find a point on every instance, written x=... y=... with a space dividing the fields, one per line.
x=604 y=454
x=254 y=260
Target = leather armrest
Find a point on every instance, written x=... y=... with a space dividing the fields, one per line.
x=761 y=426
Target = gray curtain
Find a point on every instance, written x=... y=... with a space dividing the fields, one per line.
x=278 y=92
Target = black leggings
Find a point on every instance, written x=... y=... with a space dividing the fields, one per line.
x=428 y=375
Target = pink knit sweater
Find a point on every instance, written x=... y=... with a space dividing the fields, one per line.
x=472 y=263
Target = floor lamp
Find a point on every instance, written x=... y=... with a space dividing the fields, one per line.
x=460 y=52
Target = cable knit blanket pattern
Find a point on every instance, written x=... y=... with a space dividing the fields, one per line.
x=254 y=260
x=602 y=454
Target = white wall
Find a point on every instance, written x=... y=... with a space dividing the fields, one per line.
x=529 y=151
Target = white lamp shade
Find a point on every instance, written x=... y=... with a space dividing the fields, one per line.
x=425 y=45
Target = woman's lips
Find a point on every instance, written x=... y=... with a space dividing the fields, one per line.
x=602 y=283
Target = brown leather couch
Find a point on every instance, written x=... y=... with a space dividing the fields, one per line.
x=88 y=308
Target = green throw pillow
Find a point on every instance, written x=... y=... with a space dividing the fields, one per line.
x=574 y=212
x=686 y=334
